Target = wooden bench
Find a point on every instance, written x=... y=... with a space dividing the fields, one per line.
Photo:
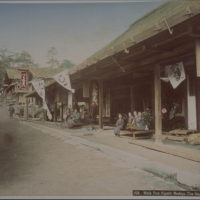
x=137 y=134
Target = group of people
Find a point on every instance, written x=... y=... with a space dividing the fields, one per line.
x=134 y=121
x=72 y=116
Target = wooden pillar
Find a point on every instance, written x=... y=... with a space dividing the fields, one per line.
x=26 y=109
x=100 y=105
x=158 y=117
x=70 y=100
x=45 y=115
x=61 y=111
x=132 y=98
x=198 y=57
x=55 y=111
x=186 y=103
x=198 y=102
x=153 y=104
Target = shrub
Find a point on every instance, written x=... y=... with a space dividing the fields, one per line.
x=36 y=115
x=21 y=112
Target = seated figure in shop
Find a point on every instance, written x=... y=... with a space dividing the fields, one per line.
x=68 y=114
x=131 y=125
x=74 y=118
x=140 y=121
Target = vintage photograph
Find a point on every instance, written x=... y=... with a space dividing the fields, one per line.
x=100 y=99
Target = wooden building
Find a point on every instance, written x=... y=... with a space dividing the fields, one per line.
x=129 y=69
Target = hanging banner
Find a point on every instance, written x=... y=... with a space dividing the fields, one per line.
x=94 y=93
x=175 y=74
x=40 y=89
x=63 y=79
x=23 y=80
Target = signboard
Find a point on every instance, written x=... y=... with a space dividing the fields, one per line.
x=175 y=74
x=94 y=93
x=23 y=80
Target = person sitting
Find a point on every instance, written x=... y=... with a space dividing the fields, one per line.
x=77 y=116
x=74 y=118
x=119 y=125
x=131 y=125
x=68 y=114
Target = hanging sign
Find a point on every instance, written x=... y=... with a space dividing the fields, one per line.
x=63 y=79
x=40 y=89
x=23 y=80
x=175 y=74
x=94 y=93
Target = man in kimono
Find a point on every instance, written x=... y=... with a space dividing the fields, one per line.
x=11 y=111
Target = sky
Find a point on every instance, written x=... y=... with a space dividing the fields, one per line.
x=76 y=30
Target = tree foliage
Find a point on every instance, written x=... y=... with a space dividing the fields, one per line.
x=53 y=62
x=66 y=64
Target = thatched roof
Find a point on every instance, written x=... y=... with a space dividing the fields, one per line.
x=45 y=72
x=139 y=27
x=13 y=73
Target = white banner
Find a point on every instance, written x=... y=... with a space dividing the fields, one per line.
x=175 y=74
x=40 y=89
x=63 y=79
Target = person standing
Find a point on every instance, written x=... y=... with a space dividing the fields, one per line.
x=11 y=111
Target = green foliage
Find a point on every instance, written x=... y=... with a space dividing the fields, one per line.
x=30 y=116
x=24 y=58
x=178 y=126
x=51 y=54
x=66 y=64
x=21 y=112
x=36 y=115
x=147 y=117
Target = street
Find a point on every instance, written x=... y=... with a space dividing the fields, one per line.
x=36 y=163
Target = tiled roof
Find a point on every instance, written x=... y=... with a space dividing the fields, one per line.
x=148 y=21
x=13 y=73
x=45 y=72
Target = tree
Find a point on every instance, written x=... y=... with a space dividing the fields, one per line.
x=24 y=58
x=66 y=64
x=51 y=54
x=6 y=60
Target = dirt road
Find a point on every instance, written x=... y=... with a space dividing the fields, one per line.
x=36 y=164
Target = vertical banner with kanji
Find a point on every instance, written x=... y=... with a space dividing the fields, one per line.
x=23 y=80
x=94 y=93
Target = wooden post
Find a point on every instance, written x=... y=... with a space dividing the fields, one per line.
x=198 y=102
x=45 y=115
x=62 y=112
x=55 y=112
x=70 y=100
x=153 y=104
x=26 y=109
x=158 y=117
x=100 y=105
x=132 y=98
x=198 y=57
